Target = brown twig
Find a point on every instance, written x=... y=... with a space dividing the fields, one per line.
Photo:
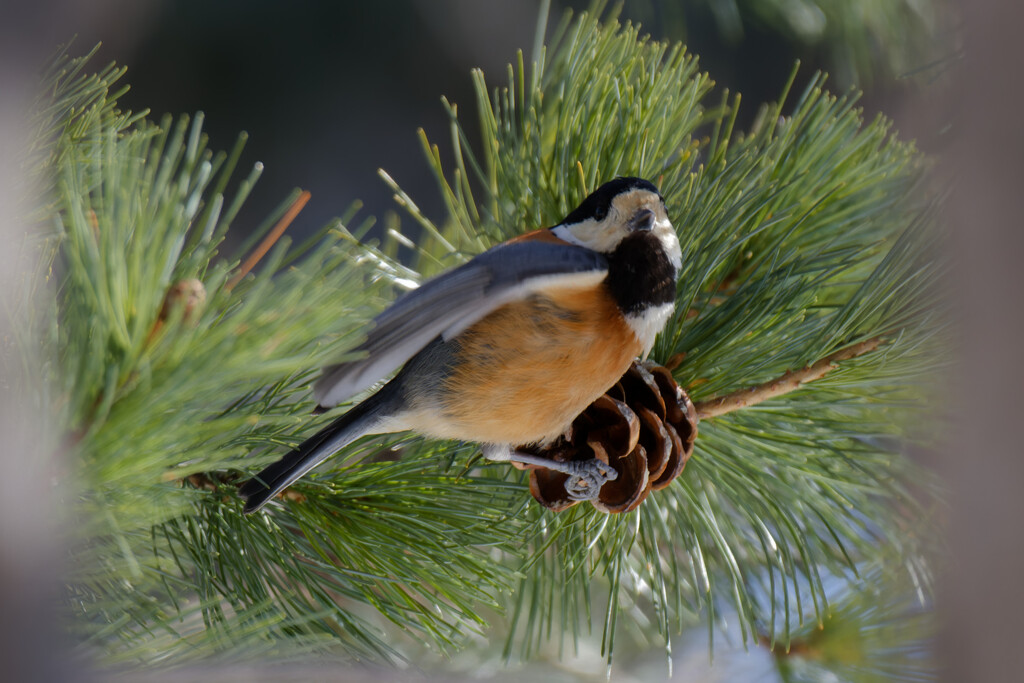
x=788 y=382
x=270 y=239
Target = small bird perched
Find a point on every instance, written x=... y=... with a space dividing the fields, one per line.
x=510 y=347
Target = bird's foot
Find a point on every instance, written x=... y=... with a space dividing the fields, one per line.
x=586 y=477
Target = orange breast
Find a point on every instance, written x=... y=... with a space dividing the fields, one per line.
x=530 y=367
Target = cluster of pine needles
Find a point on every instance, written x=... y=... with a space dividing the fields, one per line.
x=803 y=236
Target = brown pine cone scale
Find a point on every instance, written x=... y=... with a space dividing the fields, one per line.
x=644 y=427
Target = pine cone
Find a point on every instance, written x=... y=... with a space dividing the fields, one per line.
x=190 y=295
x=643 y=427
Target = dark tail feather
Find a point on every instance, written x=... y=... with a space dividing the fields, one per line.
x=311 y=452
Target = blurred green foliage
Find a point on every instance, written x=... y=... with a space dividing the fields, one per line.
x=803 y=234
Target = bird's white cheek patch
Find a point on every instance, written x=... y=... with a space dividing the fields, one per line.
x=667 y=234
x=565 y=234
x=647 y=324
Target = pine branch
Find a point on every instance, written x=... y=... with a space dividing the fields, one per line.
x=269 y=241
x=799 y=236
x=790 y=381
x=803 y=243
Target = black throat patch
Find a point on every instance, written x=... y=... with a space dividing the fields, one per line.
x=640 y=276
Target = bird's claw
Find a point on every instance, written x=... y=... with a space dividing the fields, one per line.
x=586 y=477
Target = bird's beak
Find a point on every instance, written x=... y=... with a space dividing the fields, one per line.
x=642 y=221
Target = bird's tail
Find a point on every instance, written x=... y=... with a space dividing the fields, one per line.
x=311 y=452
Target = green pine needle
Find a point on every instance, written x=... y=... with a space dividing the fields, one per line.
x=800 y=237
x=804 y=235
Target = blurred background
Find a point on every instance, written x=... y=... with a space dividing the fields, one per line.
x=330 y=92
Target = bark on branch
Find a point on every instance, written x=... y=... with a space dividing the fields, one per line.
x=790 y=381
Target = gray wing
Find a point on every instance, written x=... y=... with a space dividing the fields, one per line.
x=451 y=302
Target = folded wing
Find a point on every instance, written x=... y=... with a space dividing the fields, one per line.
x=453 y=301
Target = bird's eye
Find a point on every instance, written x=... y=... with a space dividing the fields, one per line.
x=600 y=212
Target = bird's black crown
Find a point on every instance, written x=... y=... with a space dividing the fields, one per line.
x=596 y=204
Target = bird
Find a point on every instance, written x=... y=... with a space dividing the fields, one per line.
x=507 y=349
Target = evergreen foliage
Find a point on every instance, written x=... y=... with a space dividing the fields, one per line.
x=864 y=44
x=801 y=236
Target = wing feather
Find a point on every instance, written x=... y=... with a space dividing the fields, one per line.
x=453 y=301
